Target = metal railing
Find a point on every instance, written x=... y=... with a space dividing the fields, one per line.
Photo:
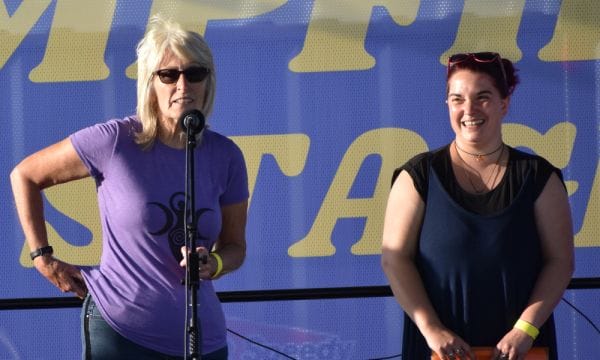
x=260 y=295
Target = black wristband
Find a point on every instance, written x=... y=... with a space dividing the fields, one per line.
x=41 y=251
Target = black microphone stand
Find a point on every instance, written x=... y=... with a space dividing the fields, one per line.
x=194 y=331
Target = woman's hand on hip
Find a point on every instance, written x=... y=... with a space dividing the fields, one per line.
x=64 y=276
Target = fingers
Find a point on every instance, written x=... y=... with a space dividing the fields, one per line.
x=206 y=267
x=513 y=346
x=502 y=356
x=202 y=254
x=68 y=279
x=75 y=283
x=447 y=345
x=458 y=350
x=458 y=353
x=505 y=355
x=76 y=287
x=79 y=286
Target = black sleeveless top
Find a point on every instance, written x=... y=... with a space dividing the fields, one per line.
x=479 y=255
x=519 y=163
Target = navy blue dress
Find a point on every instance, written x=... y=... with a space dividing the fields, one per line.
x=478 y=268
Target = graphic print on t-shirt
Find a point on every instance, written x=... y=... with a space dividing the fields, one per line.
x=174 y=224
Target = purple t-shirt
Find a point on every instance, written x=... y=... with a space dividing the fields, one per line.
x=137 y=286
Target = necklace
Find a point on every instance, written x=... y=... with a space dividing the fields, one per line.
x=479 y=157
x=495 y=171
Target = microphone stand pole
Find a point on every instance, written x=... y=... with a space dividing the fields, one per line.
x=194 y=331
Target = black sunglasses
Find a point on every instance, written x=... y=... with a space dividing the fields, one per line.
x=481 y=57
x=192 y=74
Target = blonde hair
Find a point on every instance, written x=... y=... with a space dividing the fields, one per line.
x=164 y=36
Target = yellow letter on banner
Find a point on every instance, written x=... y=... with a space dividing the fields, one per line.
x=577 y=33
x=556 y=145
x=77 y=43
x=76 y=200
x=335 y=40
x=290 y=152
x=194 y=15
x=15 y=28
x=395 y=146
x=488 y=26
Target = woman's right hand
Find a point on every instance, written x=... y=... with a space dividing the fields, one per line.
x=64 y=276
x=448 y=345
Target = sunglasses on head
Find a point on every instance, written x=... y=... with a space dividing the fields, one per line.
x=481 y=57
x=192 y=74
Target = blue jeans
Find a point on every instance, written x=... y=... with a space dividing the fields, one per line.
x=100 y=341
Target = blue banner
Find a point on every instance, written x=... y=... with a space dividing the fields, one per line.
x=325 y=98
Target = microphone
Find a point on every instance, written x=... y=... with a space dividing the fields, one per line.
x=192 y=120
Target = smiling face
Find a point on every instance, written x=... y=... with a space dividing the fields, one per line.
x=476 y=109
x=175 y=99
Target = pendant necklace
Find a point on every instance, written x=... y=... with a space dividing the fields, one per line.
x=495 y=170
x=479 y=157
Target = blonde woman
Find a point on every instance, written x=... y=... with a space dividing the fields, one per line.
x=134 y=304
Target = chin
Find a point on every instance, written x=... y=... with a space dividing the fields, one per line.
x=470 y=137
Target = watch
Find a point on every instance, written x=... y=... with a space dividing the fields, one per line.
x=41 y=251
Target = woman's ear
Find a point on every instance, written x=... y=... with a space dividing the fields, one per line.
x=505 y=105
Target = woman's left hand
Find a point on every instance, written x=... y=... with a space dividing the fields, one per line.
x=207 y=265
x=513 y=346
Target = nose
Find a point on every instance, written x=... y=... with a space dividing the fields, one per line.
x=182 y=82
x=470 y=106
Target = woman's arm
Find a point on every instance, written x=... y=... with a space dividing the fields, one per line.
x=554 y=224
x=230 y=247
x=53 y=165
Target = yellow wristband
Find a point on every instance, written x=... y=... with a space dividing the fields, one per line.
x=527 y=328
x=219 y=264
